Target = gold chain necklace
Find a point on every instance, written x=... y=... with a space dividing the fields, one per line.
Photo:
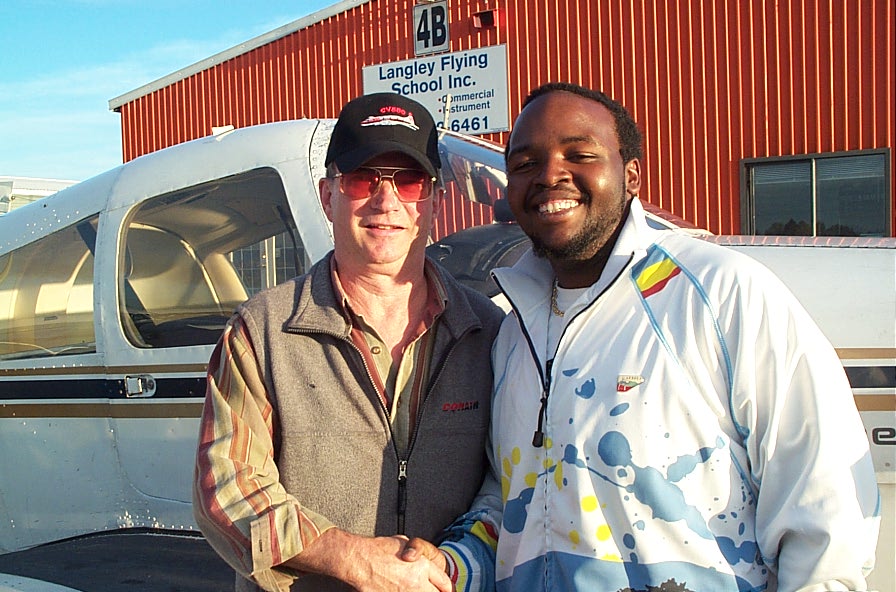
x=554 y=308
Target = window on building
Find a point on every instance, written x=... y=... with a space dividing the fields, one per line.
x=838 y=194
x=192 y=256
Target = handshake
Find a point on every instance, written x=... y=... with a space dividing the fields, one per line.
x=376 y=564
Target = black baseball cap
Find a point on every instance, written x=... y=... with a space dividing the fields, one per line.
x=374 y=124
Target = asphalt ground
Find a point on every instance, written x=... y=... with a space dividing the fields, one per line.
x=132 y=561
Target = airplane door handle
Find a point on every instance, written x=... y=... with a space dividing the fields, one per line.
x=140 y=386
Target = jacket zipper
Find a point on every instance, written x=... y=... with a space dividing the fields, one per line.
x=545 y=376
x=538 y=436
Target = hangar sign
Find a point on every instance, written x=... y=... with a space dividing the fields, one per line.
x=430 y=28
x=466 y=91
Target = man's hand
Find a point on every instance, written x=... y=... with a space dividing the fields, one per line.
x=372 y=564
x=420 y=548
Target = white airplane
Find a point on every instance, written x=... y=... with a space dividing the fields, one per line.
x=114 y=291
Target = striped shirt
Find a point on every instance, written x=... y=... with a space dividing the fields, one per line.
x=239 y=433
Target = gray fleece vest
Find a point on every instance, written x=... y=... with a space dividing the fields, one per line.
x=334 y=447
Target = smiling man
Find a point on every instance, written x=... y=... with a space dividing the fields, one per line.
x=666 y=416
x=330 y=428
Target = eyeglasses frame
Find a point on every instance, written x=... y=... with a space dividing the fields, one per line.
x=379 y=170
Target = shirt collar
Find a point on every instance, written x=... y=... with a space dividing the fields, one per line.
x=436 y=297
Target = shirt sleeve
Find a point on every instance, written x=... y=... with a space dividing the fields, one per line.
x=243 y=510
x=817 y=510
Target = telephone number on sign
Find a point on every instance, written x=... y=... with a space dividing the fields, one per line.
x=468 y=124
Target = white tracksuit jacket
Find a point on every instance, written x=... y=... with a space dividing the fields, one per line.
x=699 y=434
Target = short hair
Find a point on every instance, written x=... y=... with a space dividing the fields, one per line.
x=627 y=132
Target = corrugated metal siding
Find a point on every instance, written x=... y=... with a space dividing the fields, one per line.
x=710 y=81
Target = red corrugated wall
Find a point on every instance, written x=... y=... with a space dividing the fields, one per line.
x=710 y=81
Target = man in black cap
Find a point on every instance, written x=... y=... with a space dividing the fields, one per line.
x=331 y=429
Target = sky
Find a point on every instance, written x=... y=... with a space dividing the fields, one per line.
x=61 y=61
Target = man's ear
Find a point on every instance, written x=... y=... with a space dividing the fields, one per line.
x=633 y=177
x=326 y=197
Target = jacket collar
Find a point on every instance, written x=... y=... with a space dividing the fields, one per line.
x=528 y=283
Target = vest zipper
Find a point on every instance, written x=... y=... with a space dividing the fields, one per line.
x=401 y=508
x=403 y=463
x=402 y=493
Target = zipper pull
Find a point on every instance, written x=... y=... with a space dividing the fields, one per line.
x=538 y=437
x=402 y=493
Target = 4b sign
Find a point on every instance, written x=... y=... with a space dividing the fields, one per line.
x=431 y=28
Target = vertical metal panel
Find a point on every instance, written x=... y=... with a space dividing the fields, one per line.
x=710 y=82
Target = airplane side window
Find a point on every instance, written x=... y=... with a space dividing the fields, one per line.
x=46 y=295
x=192 y=256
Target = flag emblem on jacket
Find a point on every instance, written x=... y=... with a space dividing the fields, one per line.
x=656 y=273
x=627 y=382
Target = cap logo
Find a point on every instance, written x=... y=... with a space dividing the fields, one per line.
x=392 y=116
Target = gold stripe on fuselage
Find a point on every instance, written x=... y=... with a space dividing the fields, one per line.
x=875 y=402
x=124 y=409
x=866 y=353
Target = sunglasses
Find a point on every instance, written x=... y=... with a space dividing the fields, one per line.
x=410 y=184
